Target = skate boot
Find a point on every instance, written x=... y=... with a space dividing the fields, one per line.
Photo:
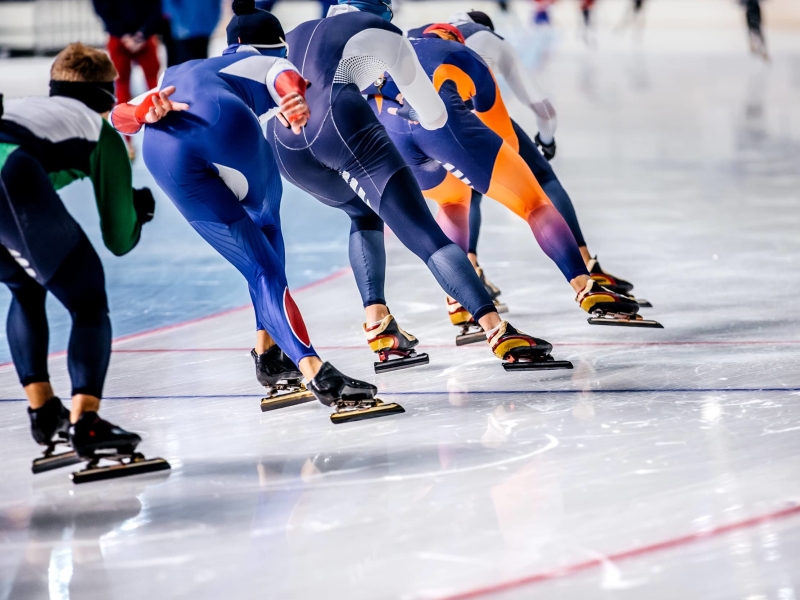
x=614 y=284
x=353 y=400
x=492 y=290
x=609 y=308
x=95 y=439
x=282 y=379
x=522 y=352
x=49 y=427
x=470 y=332
x=387 y=340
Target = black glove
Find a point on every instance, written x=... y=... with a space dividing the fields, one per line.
x=548 y=150
x=144 y=204
x=408 y=113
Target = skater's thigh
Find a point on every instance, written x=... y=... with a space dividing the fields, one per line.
x=451 y=191
x=514 y=185
x=80 y=284
x=428 y=172
x=35 y=227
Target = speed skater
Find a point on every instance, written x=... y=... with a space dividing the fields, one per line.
x=450 y=161
x=45 y=144
x=214 y=163
x=345 y=158
x=479 y=35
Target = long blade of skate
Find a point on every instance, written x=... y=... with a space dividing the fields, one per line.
x=56 y=461
x=544 y=365
x=624 y=322
x=373 y=412
x=395 y=364
x=643 y=303
x=286 y=400
x=470 y=338
x=500 y=307
x=136 y=467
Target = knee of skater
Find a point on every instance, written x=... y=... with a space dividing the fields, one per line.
x=90 y=307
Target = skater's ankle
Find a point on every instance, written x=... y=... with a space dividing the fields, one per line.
x=375 y=313
x=82 y=403
x=263 y=341
x=579 y=283
x=490 y=321
x=585 y=254
x=473 y=258
x=39 y=393
x=310 y=366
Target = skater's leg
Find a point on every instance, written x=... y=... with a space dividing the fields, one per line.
x=205 y=192
x=474 y=226
x=27 y=330
x=147 y=58
x=552 y=187
x=453 y=197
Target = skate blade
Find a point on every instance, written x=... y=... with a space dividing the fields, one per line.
x=286 y=400
x=501 y=308
x=643 y=303
x=135 y=467
x=373 y=412
x=537 y=365
x=470 y=338
x=48 y=463
x=395 y=364
x=624 y=322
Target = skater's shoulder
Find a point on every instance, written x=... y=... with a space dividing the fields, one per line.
x=54 y=118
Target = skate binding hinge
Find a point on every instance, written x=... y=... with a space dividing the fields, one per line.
x=50 y=460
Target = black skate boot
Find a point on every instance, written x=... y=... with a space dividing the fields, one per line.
x=610 y=308
x=493 y=291
x=523 y=352
x=283 y=380
x=49 y=427
x=95 y=439
x=354 y=400
x=387 y=339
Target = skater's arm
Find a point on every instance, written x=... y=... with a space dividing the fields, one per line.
x=288 y=89
x=395 y=52
x=504 y=60
x=150 y=107
x=110 y=173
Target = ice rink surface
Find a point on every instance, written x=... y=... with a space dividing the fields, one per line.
x=665 y=465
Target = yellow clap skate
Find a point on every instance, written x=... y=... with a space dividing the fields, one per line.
x=522 y=352
x=393 y=345
x=458 y=314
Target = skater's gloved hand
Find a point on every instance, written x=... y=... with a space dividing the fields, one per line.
x=548 y=150
x=157 y=105
x=144 y=204
x=294 y=112
x=405 y=111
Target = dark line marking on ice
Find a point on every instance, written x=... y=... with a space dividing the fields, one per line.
x=481 y=392
x=668 y=544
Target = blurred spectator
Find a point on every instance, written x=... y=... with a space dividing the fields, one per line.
x=758 y=45
x=541 y=14
x=131 y=27
x=191 y=23
x=269 y=4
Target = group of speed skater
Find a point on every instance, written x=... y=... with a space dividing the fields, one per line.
x=350 y=109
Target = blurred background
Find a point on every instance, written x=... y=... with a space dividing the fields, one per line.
x=697 y=96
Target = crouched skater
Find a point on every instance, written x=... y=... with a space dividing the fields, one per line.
x=45 y=143
x=214 y=163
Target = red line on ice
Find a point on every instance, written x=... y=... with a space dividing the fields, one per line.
x=669 y=544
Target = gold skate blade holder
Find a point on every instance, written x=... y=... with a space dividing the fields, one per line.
x=277 y=400
x=136 y=464
x=622 y=320
x=359 y=410
x=51 y=461
x=471 y=333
